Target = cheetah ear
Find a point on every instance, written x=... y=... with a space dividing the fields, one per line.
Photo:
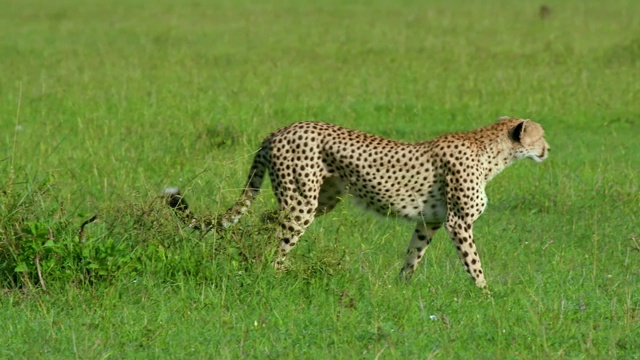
x=518 y=131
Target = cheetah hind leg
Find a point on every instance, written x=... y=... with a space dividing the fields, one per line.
x=295 y=220
x=420 y=240
x=292 y=226
x=331 y=191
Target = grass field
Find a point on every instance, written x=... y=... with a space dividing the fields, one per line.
x=105 y=103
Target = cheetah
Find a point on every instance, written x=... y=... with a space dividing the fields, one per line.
x=313 y=165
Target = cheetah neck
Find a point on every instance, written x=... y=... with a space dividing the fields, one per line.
x=496 y=154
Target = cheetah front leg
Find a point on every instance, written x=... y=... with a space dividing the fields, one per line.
x=420 y=240
x=461 y=233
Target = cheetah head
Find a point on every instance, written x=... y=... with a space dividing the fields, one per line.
x=529 y=139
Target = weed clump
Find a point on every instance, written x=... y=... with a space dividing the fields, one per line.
x=41 y=243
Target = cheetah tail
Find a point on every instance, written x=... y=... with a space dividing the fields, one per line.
x=250 y=191
x=178 y=203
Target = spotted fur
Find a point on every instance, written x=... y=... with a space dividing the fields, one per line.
x=313 y=165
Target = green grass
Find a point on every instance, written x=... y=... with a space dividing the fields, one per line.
x=107 y=102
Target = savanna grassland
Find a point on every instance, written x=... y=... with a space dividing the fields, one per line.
x=105 y=103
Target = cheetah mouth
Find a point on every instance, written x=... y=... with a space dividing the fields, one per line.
x=541 y=157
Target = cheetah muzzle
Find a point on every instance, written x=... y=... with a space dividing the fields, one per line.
x=435 y=183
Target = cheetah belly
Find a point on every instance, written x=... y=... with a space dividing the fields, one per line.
x=407 y=206
x=428 y=207
x=435 y=211
x=431 y=212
